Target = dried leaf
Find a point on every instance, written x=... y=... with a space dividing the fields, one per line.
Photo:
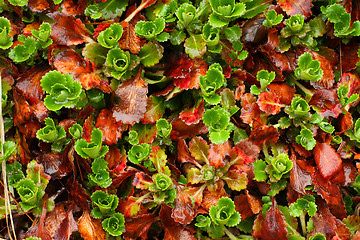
x=182 y=130
x=57 y=165
x=273 y=226
x=328 y=79
x=218 y=152
x=300 y=174
x=183 y=212
x=40 y=230
x=68 y=61
x=327 y=102
x=269 y=103
x=327 y=160
x=154 y=110
x=133 y=100
x=283 y=91
x=38 y=6
x=194 y=114
x=68 y=30
x=247 y=204
x=90 y=228
x=110 y=129
x=129 y=40
x=293 y=7
x=139 y=226
x=264 y=133
x=61 y=223
x=349 y=56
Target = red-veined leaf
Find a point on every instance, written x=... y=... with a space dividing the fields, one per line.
x=269 y=103
x=273 y=226
x=283 y=91
x=182 y=130
x=146 y=132
x=154 y=110
x=129 y=40
x=194 y=114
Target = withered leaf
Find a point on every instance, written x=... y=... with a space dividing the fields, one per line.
x=300 y=174
x=283 y=91
x=133 y=100
x=349 y=56
x=183 y=212
x=22 y=110
x=327 y=102
x=154 y=110
x=139 y=226
x=68 y=61
x=293 y=7
x=264 y=133
x=328 y=78
x=273 y=226
x=327 y=160
x=68 y=30
x=61 y=223
x=269 y=103
x=218 y=152
x=247 y=204
x=194 y=114
x=57 y=165
x=173 y=230
x=181 y=130
x=129 y=40
x=90 y=228
x=109 y=127
x=40 y=229
x=38 y=6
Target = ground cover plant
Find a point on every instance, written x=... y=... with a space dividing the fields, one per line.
x=177 y=120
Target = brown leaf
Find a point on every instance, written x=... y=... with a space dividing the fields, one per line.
x=71 y=7
x=154 y=110
x=345 y=122
x=129 y=40
x=324 y=221
x=247 y=204
x=254 y=31
x=211 y=197
x=38 y=6
x=90 y=228
x=181 y=130
x=328 y=79
x=110 y=129
x=332 y=195
x=293 y=7
x=264 y=133
x=269 y=103
x=68 y=61
x=115 y=159
x=40 y=230
x=78 y=194
x=173 y=230
x=68 y=30
x=183 y=154
x=61 y=223
x=183 y=212
x=352 y=81
x=327 y=160
x=218 y=152
x=249 y=149
x=349 y=56
x=21 y=110
x=283 y=91
x=194 y=114
x=273 y=226
x=28 y=84
x=327 y=102
x=133 y=100
x=139 y=226
x=57 y=165
x=300 y=174
x=250 y=113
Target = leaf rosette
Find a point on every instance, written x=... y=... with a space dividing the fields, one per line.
x=225 y=11
x=162 y=182
x=43 y=35
x=299 y=108
x=100 y=175
x=272 y=18
x=51 y=132
x=114 y=225
x=186 y=14
x=212 y=81
x=105 y=204
x=30 y=194
x=280 y=165
x=152 y=30
x=23 y=52
x=63 y=90
x=224 y=213
x=93 y=149
x=109 y=37
x=306 y=139
x=218 y=120
x=163 y=128
x=139 y=153
x=211 y=35
x=118 y=62
x=5 y=39
x=76 y=131
x=308 y=69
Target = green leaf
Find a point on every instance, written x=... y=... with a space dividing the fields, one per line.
x=150 y=54
x=25 y=51
x=43 y=35
x=211 y=82
x=265 y=78
x=224 y=213
x=163 y=128
x=109 y=37
x=100 y=175
x=211 y=35
x=107 y=10
x=93 y=149
x=306 y=203
x=104 y=203
x=306 y=139
x=259 y=169
x=280 y=165
x=9 y=148
x=272 y=18
x=308 y=69
x=195 y=46
x=51 y=133
x=150 y=29
x=115 y=225
x=218 y=120
x=233 y=33
x=177 y=37
x=186 y=14
x=139 y=153
x=162 y=182
x=20 y=3
x=93 y=12
x=76 y=131
x=29 y=193
x=202 y=221
x=5 y=39
x=118 y=62
x=14 y=173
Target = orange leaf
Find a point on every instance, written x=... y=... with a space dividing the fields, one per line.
x=90 y=228
x=293 y=7
x=109 y=127
x=327 y=160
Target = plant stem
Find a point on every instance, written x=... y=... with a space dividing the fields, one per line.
x=230 y=235
x=303 y=223
x=307 y=92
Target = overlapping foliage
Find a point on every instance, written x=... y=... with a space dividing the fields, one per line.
x=203 y=119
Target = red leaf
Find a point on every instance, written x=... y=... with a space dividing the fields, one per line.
x=269 y=103
x=283 y=61
x=218 y=152
x=183 y=154
x=68 y=61
x=349 y=56
x=328 y=79
x=38 y=6
x=254 y=31
x=61 y=223
x=181 y=130
x=90 y=228
x=183 y=212
x=300 y=174
x=186 y=71
x=173 y=230
x=247 y=151
x=327 y=102
x=129 y=40
x=332 y=195
x=194 y=114
x=139 y=226
x=141 y=180
x=78 y=194
x=273 y=226
x=133 y=100
x=28 y=84
x=327 y=160
x=68 y=30
x=264 y=133
x=345 y=122
x=71 y=7
x=87 y=128
x=110 y=129
x=293 y=7
x=40 y=230
x=250 y=113
x=283 y=91
x=211 y=197
x=115 y=159
x=22 y=110
x=247 y=205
